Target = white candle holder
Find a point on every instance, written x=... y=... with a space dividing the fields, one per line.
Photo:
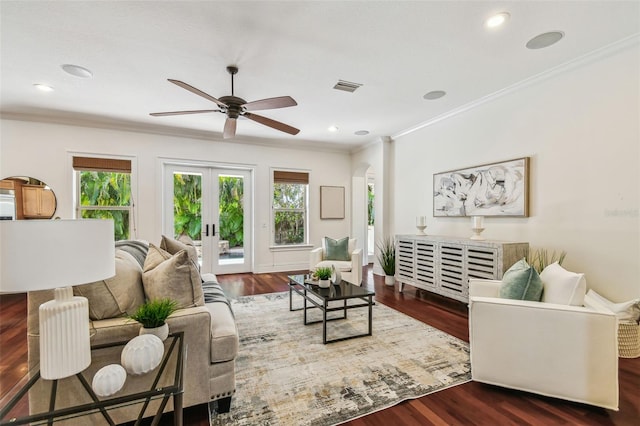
x=421 y=224
x=477 y=226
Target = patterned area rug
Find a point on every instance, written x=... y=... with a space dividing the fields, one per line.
x=286 y=376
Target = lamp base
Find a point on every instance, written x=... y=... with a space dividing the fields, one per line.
x=65 y=348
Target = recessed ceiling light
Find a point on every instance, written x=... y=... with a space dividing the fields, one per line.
x=496 y=20
x=333 y=128
x=362 y=132
x=77 y=71
x=545 y=40
x=43 y=87
x=435 y=94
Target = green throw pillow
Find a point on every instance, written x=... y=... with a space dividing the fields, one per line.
x=337 y=249
x=521 y=282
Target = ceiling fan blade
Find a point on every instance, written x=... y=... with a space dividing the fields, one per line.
x=270 y=103
x=229 y=128
x=199 y=111
x=272 y=123
x=198 y=92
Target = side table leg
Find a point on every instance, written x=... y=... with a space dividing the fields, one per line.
x=324 y=322
x=370 y=315
x=177 y=409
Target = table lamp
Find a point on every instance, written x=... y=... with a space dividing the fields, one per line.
x=56 y=254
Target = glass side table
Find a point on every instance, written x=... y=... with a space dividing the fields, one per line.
x=167 y=383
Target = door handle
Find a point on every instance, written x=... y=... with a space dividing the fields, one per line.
x=206 y=230
x=213 y=229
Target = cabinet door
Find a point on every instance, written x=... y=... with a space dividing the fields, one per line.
x=426 y=263
x=37 y=202
x=451 y=270
x=482 y=263
x=405 y=261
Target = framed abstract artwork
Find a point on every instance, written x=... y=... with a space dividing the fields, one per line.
x=496 y=189
x=332 y=202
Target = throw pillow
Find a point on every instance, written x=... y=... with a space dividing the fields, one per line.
x=521 y=282
x=117 y=296
x=183 y=243
x=336 y=249
x=563 y=287
x=173 y=276
x=628 y=311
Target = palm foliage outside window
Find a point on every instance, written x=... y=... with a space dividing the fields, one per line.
x=290 y=211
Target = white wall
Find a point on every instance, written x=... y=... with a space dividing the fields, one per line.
x=581 y=128
x=42 y=150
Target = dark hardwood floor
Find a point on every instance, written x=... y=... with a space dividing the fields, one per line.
x=468 y=404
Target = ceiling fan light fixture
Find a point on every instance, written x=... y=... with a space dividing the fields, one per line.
x=497 y=20
x=43 y=87
x=434 y=94
x=76 y=71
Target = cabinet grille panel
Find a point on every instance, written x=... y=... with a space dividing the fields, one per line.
x=405 y=260
x=425 y=263
x=481 y=262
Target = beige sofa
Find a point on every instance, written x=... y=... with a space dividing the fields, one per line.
x=210 y=337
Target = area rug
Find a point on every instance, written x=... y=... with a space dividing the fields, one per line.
x=286 y=376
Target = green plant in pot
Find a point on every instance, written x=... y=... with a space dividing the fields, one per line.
x=387 y=259
x=153 y=315
x=324 y=276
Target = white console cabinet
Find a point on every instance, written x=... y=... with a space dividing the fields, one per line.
x=443 y=265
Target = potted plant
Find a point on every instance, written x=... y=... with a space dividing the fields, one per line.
x=153 y=315
x=541 y=258
x=324 y=276
x=387 y=259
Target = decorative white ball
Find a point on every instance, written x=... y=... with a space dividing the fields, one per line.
x=142 y=354
x=109 y=380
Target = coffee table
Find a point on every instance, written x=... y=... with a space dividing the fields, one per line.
x=320 y=298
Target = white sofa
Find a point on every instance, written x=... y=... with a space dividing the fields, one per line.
x=350 y=270
x=568 y=352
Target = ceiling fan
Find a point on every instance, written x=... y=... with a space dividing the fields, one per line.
x=235 y=107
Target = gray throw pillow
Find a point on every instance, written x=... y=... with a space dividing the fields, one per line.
x=337 y=249
x=173 y=276
x=174 y=246
x=117 y=296
x=521 y=282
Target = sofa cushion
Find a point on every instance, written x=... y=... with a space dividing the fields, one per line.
x=563 y=287
x=182 y=243
x=521 y=282
x=117 y=296
x=224 y=336
x=337 y=249
x=173 y=276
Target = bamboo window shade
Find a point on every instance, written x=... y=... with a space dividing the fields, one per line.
x=102 y=164
x=280 y=176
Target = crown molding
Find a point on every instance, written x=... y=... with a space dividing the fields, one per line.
x=580 y=61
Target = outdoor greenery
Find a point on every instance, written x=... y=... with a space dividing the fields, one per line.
x=154 y=313
x=289 y=204
x=370 y=205
x=387 y=255
x=110 y=193
x=232 y=210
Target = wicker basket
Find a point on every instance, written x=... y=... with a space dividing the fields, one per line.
x=628 y=340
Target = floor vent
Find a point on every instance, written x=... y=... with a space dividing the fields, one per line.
x=346 y=86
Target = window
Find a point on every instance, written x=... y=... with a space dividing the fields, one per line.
x=104 y=192
x=290 y=193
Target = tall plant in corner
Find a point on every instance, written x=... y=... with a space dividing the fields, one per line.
x=387 y=259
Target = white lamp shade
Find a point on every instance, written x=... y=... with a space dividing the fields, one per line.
x=45 y=254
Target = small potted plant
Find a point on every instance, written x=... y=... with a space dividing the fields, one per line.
x=387 y=259
x=153 y=315
x=324 y=276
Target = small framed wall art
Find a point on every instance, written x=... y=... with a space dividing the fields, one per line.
x=332 y=202
x=495 y=189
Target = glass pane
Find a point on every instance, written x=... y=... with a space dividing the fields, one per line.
x=289 y=227
x=105 y=189
x=231 y=219
x=120 y=220
x=187 y=205
x=289 y=195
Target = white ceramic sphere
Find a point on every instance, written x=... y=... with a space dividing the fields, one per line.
x=142 y=354
x=109 y=380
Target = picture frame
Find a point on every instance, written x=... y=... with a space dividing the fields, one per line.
x=332 y=202
x=495 y=189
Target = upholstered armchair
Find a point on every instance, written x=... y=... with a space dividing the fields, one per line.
x=349 y=264
x=562 y=351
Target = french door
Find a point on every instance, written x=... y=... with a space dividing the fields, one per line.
x=212 y=205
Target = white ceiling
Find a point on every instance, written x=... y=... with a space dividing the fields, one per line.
x=398 y=50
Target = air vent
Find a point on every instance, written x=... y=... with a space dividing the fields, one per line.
x=346 y=86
